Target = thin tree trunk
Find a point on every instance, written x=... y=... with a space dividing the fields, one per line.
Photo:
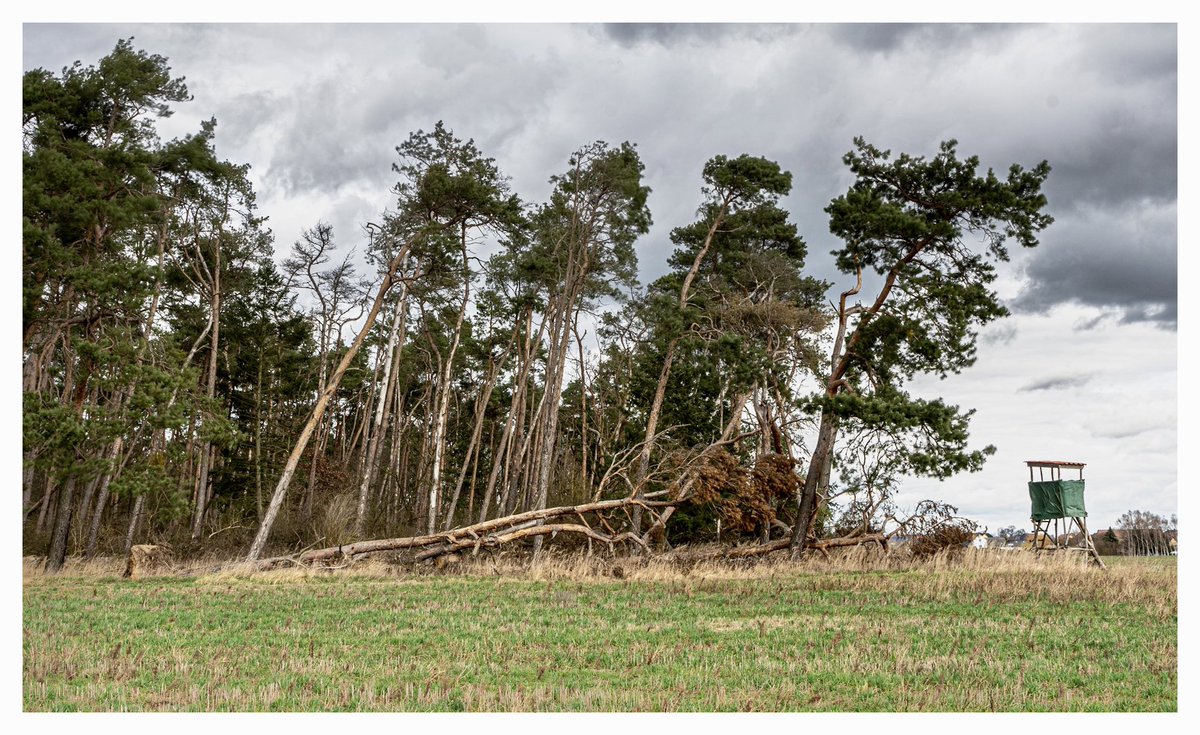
x=475 y=471
x=439 y=430
x=476 y=432
x=135 y=518
x=81 y=517
x=821 y=461
x=62 y=526
x=643 y=468
x=289 y=469
x=317 y=455
x=26 y=485
x=102 y=501
x=385 y=381
x=583 y=440
x=502 y=458
x=203 y=492
x=258 y=392
x=47 y=498
x=552 y=403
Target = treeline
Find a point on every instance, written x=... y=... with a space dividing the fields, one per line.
x=496 y=355
x=1140 y=533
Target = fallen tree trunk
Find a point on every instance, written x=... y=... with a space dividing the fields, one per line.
x=491 y=533
x=528 y=531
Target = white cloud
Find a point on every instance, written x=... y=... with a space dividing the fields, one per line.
x=1121 y=422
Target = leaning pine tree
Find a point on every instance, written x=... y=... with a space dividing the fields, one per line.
x=932 y=230
x=446 y=188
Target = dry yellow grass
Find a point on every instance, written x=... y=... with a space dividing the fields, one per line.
x=1002 y=575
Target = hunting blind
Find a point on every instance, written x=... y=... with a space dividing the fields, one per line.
x=1055 y=499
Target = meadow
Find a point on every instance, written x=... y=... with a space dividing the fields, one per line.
x=986 y=633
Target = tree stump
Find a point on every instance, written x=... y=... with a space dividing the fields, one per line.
x=146 y=559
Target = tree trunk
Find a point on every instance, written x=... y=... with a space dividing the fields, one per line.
x=660 y=390
x=583 y=440
x=135 y=518
x=818 y=467
x=102 y=501
x=476 y=432
x=391 y=356
x=258 y=392
x=439 y=431
x=62 y=527
x=643 y=468
x=203 y=493
x=821 y=462
x=503 y=456
x=289 y=469
x=47 y=497
x=552 y=401
x=499 y=530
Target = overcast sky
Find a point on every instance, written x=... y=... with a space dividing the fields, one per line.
x=1084 y=370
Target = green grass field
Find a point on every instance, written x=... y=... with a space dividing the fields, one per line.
x=984 y=635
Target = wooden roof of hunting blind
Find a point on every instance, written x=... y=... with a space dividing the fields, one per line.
x=1054 y=466
x=1047 y=463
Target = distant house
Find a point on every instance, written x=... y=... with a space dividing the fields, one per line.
x=981 y=540
x=1038 y=540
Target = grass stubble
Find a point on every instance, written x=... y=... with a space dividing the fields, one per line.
x=989 y=633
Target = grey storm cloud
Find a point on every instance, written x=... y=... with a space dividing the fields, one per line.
x=1116 y=161
x=889 y=37
x=312 y=158
x=341 y=129
x=1114 y=118
x=630 y=34
x=1122 y=259
x=1057 y=383
x=318 y=110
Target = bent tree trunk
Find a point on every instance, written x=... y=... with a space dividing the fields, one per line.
x=822 y=456
x=660 y=390
x=264 y=529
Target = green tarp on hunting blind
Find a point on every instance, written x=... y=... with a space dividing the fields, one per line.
x=1057 y=499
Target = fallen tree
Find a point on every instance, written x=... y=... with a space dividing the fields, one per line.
x=495 y=533
x=744 y=498
x=499 y=531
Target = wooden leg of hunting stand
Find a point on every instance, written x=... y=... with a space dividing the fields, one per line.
x=1091 y=546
